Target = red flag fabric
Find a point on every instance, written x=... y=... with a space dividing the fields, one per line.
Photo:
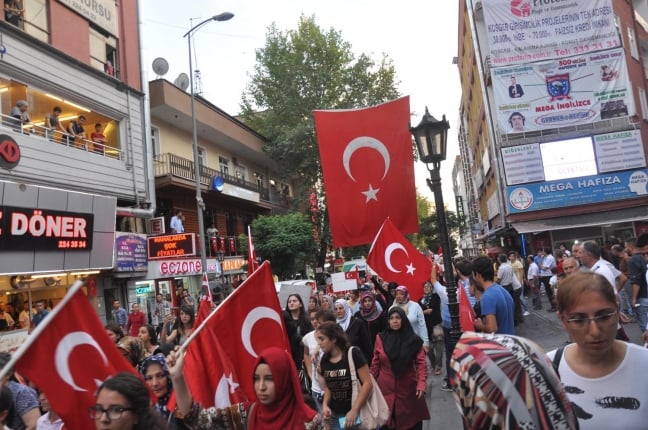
x=368 y=169
x=70 y=359
x=248 y=321
x=253 y=263
x=394 y=258
x=205 y=305
x=466 y=312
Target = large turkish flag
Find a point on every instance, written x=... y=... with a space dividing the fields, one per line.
x=394 y=258
x=368 y=168
x=220 y=360
x=70 y=359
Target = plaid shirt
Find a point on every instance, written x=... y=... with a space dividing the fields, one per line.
x=120 y=317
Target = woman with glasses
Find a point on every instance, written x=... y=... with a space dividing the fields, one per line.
x=123 y=403
x=603 y=376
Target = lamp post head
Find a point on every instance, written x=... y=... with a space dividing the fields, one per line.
x=431 y=137
x=225 y=16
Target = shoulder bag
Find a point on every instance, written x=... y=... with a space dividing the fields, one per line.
x=375 y=412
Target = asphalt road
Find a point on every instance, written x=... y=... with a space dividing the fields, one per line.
x=541 y=326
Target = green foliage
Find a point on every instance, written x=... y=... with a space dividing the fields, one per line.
x=296 y=72
x=285 y=240
x=429 y=231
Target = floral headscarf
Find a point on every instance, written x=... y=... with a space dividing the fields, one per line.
x=161 y=403
x=508 y=382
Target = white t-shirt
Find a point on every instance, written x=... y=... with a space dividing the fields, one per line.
x=311 y=343
x=618 y=400
x=534 y=271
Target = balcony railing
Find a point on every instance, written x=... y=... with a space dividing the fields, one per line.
x=170 y=164
x=58 y=137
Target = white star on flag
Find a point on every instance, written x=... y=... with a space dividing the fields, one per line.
x=410 y=269
x=233 y=385
x=371 y=193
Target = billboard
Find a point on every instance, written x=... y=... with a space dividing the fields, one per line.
x=557 y=93
x=524 y=31
x=577 y=191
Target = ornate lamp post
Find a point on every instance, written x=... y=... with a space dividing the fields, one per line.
x=431 y=138
x=196 y=156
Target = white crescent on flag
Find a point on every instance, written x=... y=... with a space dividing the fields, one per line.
x=388 y=252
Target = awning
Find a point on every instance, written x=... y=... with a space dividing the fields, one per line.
x=585 y=220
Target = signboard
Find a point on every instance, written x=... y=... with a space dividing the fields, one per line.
x=155 y=225
x=9 y=152
x=342 y=283
x=522 y=164
x=172 y=245
x=578 y=191
x=44 y=229
x=619 y=151
x=557 y=93
x=180 y=267
x=286 y=290
x=233 y=265
x=100 y=12
x=523 y=31
x=131 y=252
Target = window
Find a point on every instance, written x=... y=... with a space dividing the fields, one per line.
x=202 y=156
x=259 y=180
x=643 y=103
x=155 y=142
x=632 y=41
x=224 y=166
x=103 y=52
x=36 y=22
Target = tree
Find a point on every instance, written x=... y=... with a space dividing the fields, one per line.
x=285 y=240
x=429 y=231
x=299 y=71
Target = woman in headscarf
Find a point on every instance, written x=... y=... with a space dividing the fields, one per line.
x=413 y=311
x=354 y=329
x=373 y=318
x=431 y=305
x=327 y=303
x=400 y=368
x=155 y=372
x=279 y=402
x=507 y=382
x=313 y=303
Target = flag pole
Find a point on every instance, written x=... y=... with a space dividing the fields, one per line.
x=40 y=328
x=202 y=325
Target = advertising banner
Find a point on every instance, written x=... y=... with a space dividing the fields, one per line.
x=620 y=150
x=131 y=252
x=577 y=191
x=558 y=93
x=524 y=31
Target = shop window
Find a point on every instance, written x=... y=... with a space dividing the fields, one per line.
x=42 y=103
x=103 y=52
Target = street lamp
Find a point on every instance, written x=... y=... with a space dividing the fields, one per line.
x=431 y=138
x=194 y=130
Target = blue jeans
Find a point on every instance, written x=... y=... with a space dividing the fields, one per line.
x=641 y=313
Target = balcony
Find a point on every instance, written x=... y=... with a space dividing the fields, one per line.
x=178 y=168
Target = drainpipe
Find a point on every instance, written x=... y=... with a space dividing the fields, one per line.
x=148 y=147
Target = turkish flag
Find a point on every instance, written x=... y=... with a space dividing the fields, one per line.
x=394 y=258
x=253 y=264
x=368 y=169
x=466 y=312
x=248 y=321
x=70 y=358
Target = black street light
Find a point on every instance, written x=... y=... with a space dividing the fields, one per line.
x=194 y=134
x=431 y=138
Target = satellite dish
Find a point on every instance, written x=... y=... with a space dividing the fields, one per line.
x=217 y=183
x=160 y=66
x=182 y=81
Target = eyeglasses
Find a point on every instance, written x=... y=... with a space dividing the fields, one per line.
x=113 y=412
x=584 y=322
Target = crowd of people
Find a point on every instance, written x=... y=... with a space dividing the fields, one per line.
x=73 y=135
x=382 y=338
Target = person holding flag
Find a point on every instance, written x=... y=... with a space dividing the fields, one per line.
x=279 y=402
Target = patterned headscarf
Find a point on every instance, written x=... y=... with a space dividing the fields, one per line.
x=508 y=382
x=161 y=403
x=404 y=306
x=346 y=320
x=374 y=312
x=328 y=299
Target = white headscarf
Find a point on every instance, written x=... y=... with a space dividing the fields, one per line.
x=346 y=320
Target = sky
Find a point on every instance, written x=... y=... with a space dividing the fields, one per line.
x=419 y=36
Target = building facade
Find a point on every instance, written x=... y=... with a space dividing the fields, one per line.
x=554 y=116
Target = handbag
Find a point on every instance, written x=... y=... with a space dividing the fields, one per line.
x=375 y=412
x=304 y=379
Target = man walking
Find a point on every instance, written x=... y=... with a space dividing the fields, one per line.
x=119 y=315
x=496 y=302
x=547 y=262
x=161 y=309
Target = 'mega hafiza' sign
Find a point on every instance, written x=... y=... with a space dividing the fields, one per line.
x=101 y=12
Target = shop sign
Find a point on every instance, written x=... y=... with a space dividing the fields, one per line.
x=100 y=12
x=131 y=252
x=9 y=152
x=172 y=245
x=181 y=267
x=44 y=229
x=143 y=290
x=233 y=264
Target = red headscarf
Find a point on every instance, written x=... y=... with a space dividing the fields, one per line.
x=288 y=411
